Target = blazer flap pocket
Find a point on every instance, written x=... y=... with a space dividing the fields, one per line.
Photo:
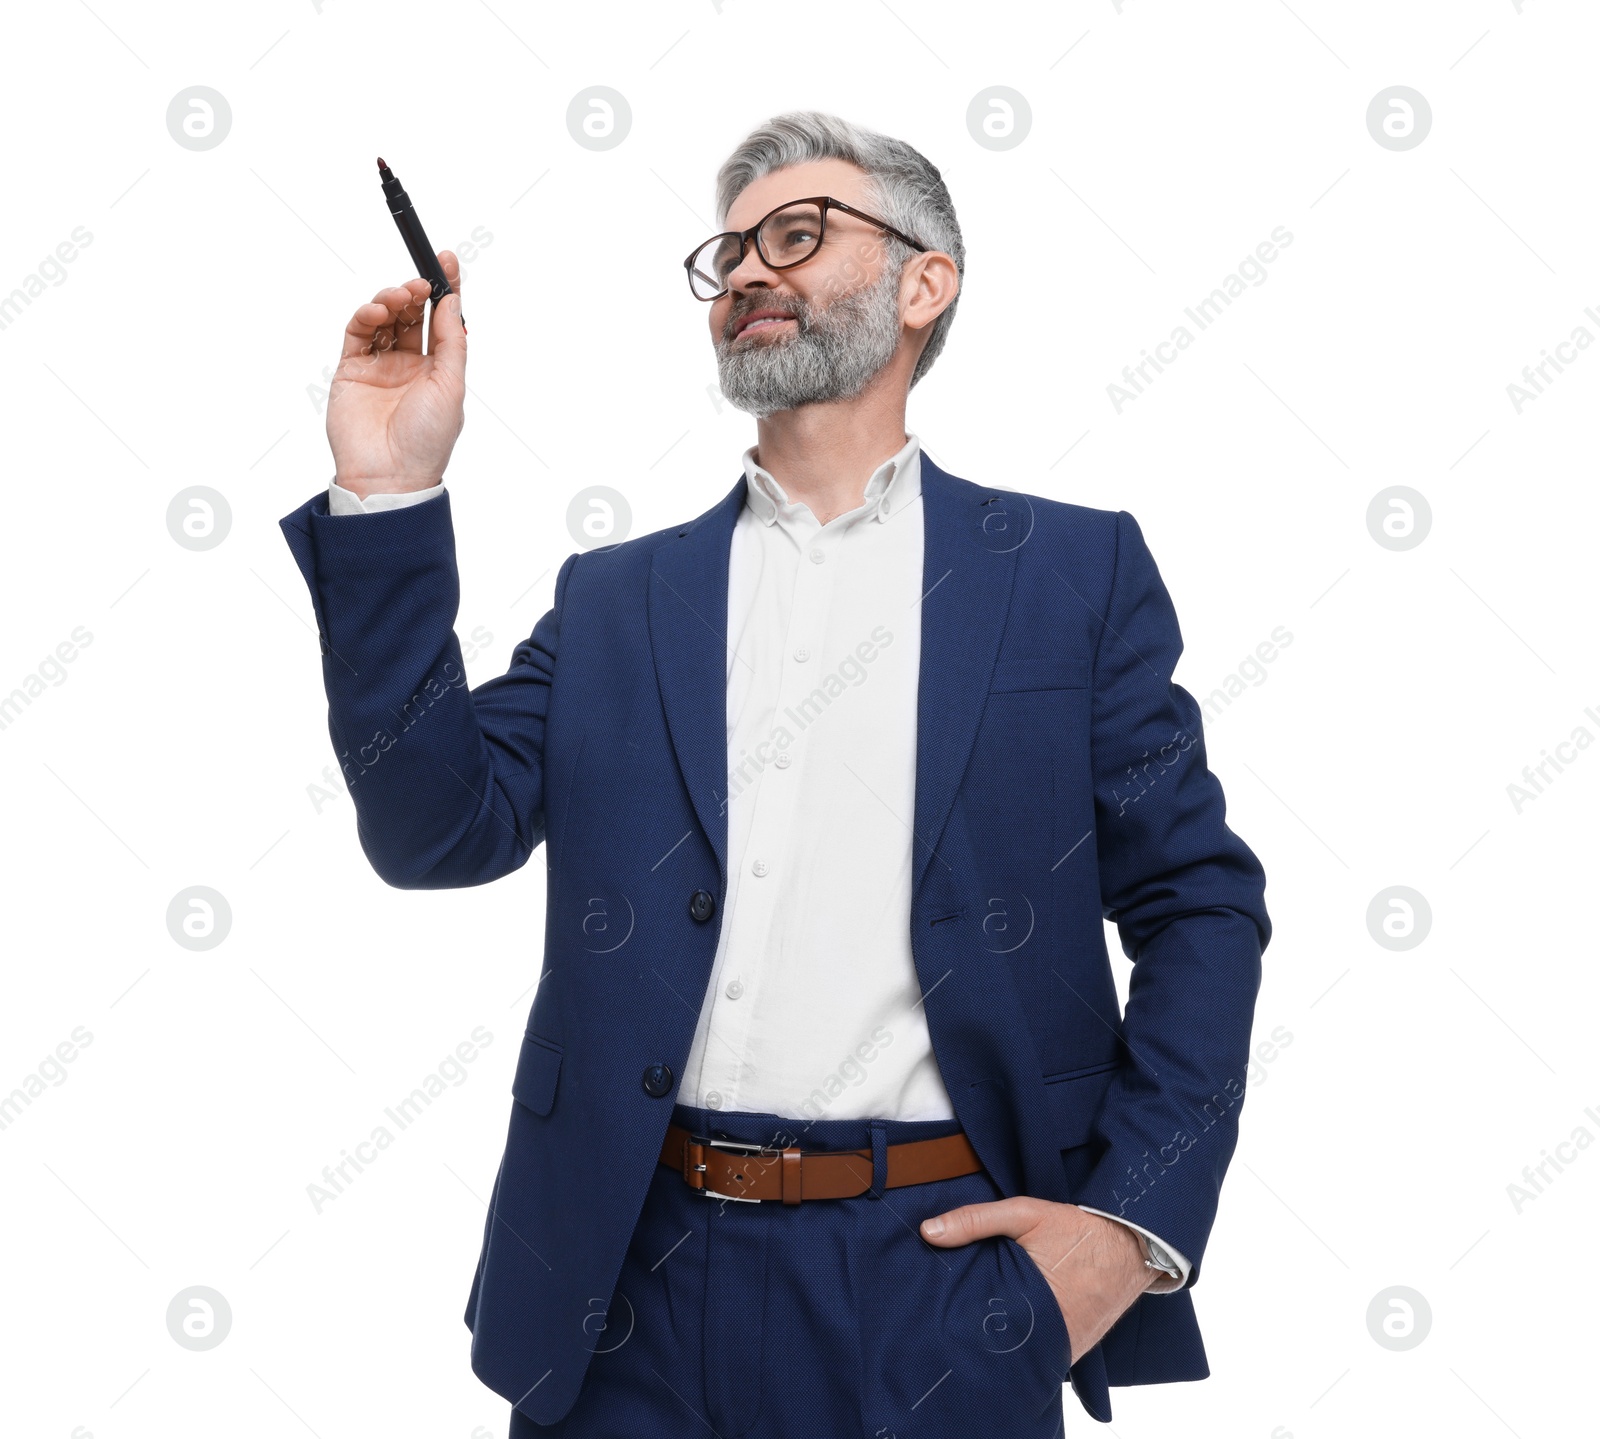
x=1075 y=1101
x=1068 y=672
x=538 y=1067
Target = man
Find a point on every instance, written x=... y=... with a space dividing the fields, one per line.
x=837 y=784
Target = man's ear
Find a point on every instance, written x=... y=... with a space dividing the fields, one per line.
x=934 y=285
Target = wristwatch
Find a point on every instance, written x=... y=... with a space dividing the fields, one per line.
x=1157 y=1258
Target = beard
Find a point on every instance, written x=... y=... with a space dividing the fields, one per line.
x=833 y=352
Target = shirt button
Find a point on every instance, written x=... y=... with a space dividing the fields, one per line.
x=802 y=654
x=735 y=989
x=784 y=760
x=817 y=557
x=759 y=868
x=713 y=1100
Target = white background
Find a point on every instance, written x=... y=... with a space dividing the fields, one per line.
x=181 y=745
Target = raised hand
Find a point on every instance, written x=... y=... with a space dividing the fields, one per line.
x=394 y=412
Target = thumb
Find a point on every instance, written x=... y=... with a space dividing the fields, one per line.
x=967 y=1222
x=449 y=336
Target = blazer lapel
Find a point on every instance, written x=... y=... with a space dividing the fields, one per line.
x=688 y=617
x=970 y=541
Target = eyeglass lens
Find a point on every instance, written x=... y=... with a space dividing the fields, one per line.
x=787 y=236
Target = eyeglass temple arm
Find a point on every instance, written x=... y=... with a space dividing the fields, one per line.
x=873 y=220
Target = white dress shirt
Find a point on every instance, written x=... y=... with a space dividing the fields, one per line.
x=814 y=1008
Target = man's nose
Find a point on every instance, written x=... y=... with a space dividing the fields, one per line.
x=751 y=269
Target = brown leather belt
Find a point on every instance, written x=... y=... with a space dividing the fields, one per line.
x=722 y=1169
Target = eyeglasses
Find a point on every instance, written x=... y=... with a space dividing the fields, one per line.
x=786 y=237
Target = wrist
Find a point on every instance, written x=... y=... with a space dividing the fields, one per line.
x=1151 y=1270
x=1131 y=1247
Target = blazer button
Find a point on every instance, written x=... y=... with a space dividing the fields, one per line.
x=702 y=905
x=657 y=1080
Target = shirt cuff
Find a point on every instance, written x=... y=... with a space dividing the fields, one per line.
x=1164 y=1253
x=347 y=502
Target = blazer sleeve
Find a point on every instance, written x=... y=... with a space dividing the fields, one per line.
x=448 y=783
x=1187 y=897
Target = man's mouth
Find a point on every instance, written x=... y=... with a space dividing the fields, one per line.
x=762 y=320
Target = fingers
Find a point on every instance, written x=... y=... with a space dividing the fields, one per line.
x=961 y=1225
x=360 y=335
x=404 y=294
x=449 y=341
x=409 y=303
x=452 y=269
x=391 y=319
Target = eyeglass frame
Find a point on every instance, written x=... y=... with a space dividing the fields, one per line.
x=824 y=204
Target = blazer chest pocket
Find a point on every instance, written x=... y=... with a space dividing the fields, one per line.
x=538 y=1068
x=1043 y=673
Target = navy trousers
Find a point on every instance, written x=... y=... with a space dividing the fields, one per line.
x=820 y=1320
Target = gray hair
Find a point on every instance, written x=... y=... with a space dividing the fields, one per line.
x=902 y=183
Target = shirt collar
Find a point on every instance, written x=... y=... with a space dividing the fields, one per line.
x=891 y=487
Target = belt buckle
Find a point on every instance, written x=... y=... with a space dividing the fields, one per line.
x=737 y=1145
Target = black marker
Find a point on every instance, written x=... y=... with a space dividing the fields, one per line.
x=422 y=256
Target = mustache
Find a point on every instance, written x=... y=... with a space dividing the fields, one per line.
x=795 y=312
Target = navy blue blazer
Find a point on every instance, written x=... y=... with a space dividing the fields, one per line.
x=1060 y=781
